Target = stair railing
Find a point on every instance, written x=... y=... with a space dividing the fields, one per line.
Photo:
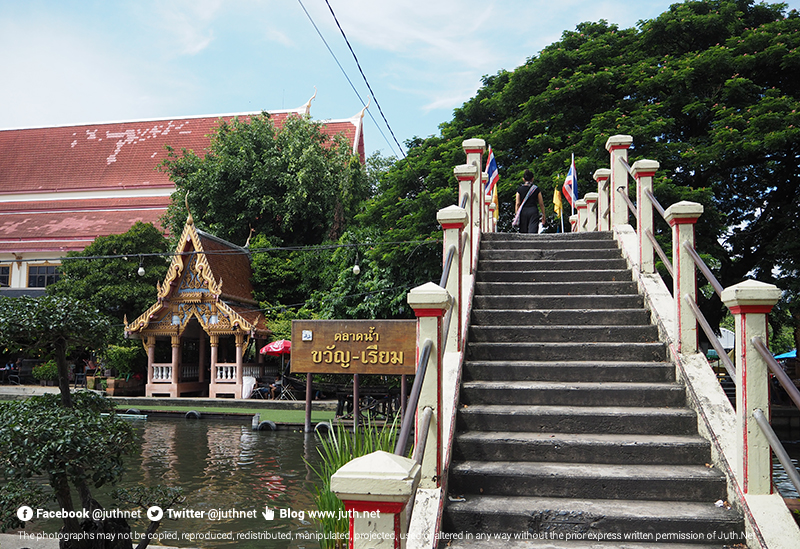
x=744 y=455
x=408 y=493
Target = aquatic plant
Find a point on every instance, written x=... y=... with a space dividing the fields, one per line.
x=337 y=447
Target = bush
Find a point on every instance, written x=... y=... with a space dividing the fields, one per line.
x=122 y=360
x=46 y=372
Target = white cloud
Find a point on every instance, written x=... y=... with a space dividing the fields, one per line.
x=189 y=22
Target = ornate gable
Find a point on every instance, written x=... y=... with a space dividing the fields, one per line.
x=191 y=290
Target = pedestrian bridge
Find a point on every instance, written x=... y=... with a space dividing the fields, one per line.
x=560 y=399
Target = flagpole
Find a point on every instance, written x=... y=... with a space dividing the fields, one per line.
x=572 y=192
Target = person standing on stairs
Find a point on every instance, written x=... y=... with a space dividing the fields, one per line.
x=526 y=210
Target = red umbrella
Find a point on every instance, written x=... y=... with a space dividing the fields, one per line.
x=277 y=348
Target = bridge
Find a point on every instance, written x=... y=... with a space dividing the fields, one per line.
x=560 y=399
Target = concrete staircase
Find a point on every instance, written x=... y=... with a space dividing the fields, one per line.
x=572 y=431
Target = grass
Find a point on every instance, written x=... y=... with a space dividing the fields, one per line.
x=279 y=416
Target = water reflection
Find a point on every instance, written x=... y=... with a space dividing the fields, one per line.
x=224 y=465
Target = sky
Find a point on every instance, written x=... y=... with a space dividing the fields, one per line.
x=68 y=62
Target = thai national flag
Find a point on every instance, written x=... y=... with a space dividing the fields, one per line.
x=571 y=185
x=491 y=171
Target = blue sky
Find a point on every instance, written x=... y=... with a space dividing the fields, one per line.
x=72 y=62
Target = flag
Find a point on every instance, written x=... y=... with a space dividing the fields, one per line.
x=496 y=204
x=491 y=171
x=558 y=206
x=571 y=185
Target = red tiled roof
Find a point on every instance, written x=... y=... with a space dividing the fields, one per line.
x=100 y=158
x=229 y=263
x=120 y=155
x=70 y=227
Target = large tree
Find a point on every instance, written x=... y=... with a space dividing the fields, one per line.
x=709 y=89
x=51 y=324
x=294 y=185
x=105 y=275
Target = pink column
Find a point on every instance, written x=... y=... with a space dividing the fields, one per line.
x=644 y=171
x=682 y=217
x=750 y=302
x=618 y=146
x=430 y=302
x=603 y=199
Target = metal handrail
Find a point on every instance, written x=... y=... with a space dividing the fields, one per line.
x=464 y=200
x=626 y=166
x=448 y=262
x=631 y=205
x=424 y=424
x=649 y=194
x=776 y=369
x=777 y=447
x=703 y=268
x=712 y=337
x=657 y=247
x=413 y=399
x=605 y=213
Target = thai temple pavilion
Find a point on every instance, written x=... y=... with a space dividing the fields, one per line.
x=196 y=333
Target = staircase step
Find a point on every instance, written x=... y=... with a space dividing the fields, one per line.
x=577 y=419
x=556 y=254
x=659 y=522
x=564 y=334
x=556 y=288
x=554 y=276
x=558 y=302
x=580 y=448
x=566 y=351
x=548 y=393
x=560 y=317
x=547 y=237
x=568 y=371
x=588 y=480
x=551 y=265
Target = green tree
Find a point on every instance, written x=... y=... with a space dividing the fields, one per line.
x=294 y=185
x=105 y=274
x=52 y=323
x=77 y=449
x=709 y=89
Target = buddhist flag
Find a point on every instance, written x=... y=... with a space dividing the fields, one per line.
x=491 y=171
x=557 y=204
x=496 y=204
x=571 y=185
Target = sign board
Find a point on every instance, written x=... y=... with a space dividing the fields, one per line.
x=354 y=346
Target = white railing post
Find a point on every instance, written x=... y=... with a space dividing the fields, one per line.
x=591 y=211
x=375 y=490
x=573 y=223
x=474 y=149
x=486 y=200
x=603 y=199
x=681 y=217
x=453 y=220
x=466 y=174
x=430 y=302
x=644 y=171
x=581 y=211
x=492 y=220
x=618 y=146
x=750 y=302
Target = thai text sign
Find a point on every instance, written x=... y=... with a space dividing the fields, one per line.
x=354 y=346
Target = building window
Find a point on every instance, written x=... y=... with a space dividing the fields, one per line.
x=40 y=276
x=5 y=277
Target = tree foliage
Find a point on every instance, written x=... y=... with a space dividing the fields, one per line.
x=105 y=274
x=52 y=323
x=293 y=185
x=708 y=89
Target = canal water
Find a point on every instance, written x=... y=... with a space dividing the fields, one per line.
x=230 y=475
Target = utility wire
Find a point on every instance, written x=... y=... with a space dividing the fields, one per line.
x=136 y=255
x=364 y=77
x=348 y=78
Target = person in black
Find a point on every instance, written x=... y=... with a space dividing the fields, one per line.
x=529 y=216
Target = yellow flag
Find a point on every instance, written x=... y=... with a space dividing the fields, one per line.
x=496 y=204
x=557 y=207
